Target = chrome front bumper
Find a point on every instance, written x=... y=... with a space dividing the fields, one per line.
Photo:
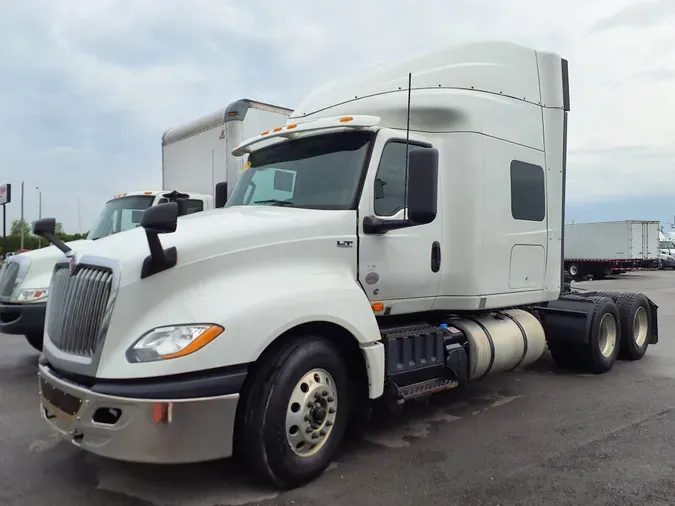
x=138 y=430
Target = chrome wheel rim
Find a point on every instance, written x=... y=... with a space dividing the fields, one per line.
x=640 y=326
x=607 y=335
x=311 y=413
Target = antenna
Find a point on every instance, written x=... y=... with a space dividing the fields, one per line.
x=407 y=149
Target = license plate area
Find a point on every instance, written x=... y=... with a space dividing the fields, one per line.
x=63 y=402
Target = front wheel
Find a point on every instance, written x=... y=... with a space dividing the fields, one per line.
x=295 y=413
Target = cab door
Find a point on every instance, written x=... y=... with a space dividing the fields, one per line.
x=401 y=268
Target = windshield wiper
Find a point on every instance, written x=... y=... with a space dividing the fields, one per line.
x=274 y=201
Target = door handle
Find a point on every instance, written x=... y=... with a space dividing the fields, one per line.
x=435 y=257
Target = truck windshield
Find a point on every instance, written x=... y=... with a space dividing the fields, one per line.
x=119 y=215
x=667 y=245
x=320 y=172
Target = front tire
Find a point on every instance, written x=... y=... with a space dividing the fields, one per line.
x=35 y=340
x=295 y=413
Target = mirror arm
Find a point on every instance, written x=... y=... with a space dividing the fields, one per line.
x=57 y=242
x=160 y=259
x=377 y=226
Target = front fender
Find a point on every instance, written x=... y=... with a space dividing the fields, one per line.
x=254 y=305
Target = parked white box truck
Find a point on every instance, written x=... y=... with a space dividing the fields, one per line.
x=196 y=159
x=602 y=248
x=199 y=154
x=264 y=329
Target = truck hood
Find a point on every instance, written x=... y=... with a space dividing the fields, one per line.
x=220 y=231
x=41 y=263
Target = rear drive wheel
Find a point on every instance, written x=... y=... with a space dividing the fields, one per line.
x=296 y=412
x=610 y=295
x=574 y=270
x=599 y=355
x=636 y=325
x=35 y=340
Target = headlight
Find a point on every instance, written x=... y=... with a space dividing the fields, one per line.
x=172 y=341
x=32 y=295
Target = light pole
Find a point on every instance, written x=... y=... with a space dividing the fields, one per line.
x=39 y=212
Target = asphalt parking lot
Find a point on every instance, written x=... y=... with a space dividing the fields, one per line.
x=536 y=436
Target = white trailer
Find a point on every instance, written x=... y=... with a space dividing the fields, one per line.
x=400 y=235
x=198 y=155
x=603 y=248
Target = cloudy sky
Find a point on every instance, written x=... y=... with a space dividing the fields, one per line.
x=87 y=87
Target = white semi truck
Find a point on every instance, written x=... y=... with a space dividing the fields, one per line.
x=266 y=328
x=196 y=160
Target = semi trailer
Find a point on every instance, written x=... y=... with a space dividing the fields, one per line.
x=604 y=248
x=355 y=262
x=196 y=159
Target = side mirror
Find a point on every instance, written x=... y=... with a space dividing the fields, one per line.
x=161 y=219
x=422 y=185
x=182 y=207
x=44 y=226
x=221 y=195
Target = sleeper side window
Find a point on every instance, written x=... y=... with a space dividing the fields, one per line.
x=528 y=191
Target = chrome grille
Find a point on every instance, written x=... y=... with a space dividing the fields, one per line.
x=8 y=275
x=77 y=307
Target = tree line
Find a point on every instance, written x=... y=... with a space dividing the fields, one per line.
x=31 y=241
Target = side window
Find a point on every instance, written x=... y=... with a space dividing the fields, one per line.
x=528 y=191
x=193 y=206
x=390 y=179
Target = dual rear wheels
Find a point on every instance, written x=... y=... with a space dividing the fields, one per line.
x=620 y=328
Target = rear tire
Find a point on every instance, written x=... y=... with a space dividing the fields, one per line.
x=296 y=412
x=610 y=295
x=35 y=340
x=600 y=353
x=636 y=325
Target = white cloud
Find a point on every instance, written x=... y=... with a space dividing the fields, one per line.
x=89 y=86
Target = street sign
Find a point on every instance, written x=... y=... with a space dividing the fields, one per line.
x=5 y=194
